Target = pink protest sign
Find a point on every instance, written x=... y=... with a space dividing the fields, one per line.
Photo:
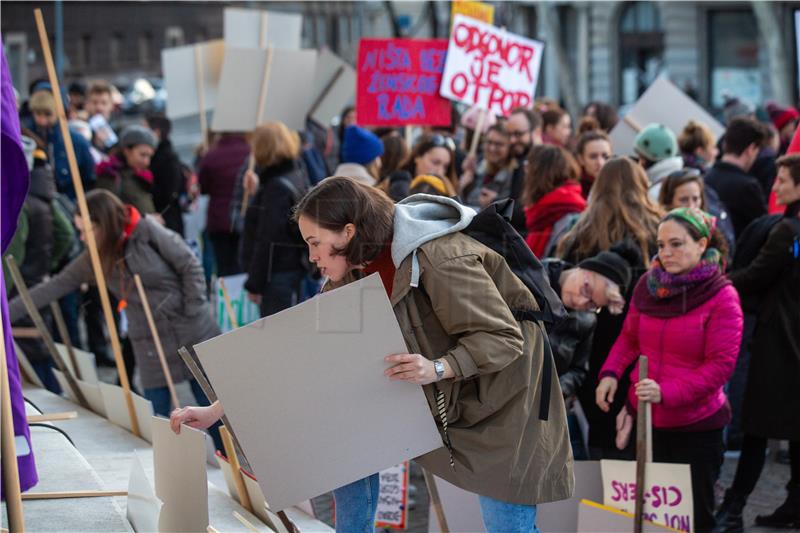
x=489 y=67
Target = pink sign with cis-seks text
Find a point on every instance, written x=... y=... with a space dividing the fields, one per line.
x=489 y=67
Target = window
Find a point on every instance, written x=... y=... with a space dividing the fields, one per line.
x=145 y=45
x=173 y=36
x=115 y=50
x=641 y=40
x=733 y=53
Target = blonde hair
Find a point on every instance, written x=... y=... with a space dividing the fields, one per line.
x=274 y=143
x=695 y=135
x=42 y=102
x=618 y=207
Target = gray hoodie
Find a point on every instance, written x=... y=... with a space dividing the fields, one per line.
x=422 y=218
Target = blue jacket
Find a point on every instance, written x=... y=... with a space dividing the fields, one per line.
x=57 y=154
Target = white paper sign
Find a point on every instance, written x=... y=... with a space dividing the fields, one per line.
x=254 y=28
x=183 y=81
x=393 y=498
x=143 y=505
x=244 y=310
x=490 y=68
x=667 y=496
x=305 y=392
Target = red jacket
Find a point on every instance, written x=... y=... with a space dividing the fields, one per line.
x=541 y=216
x=691 y=357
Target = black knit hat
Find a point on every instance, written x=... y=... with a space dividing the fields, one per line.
x=615 y=264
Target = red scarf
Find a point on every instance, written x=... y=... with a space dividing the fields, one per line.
x=552 y=207
x=384 y=266
x=114 y=165
x=133 y=220
x=586 y=184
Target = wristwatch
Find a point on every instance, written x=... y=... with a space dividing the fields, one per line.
x=438 y=367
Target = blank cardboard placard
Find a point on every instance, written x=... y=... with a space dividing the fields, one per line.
x=667 y=492
x=181 y=77
x=596 y=518
x=86 y=363
x=117 y=410
x=227 y=474
x=663 y=103
x=260 y=505
x=143 y=505
x=90 y=391
x=461 y=509
x=340 y=94
x=305 y=392
x=289 y=88
x=243 y=28
x=180 y=471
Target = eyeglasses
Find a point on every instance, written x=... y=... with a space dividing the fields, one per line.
x=440 y=141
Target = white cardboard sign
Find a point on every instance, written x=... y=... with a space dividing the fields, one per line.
x=661 y=103
x=143 y=506
x=117 y=409
x=342 y=91
x=304 y=390
x=489 y=67
x=255 y=28
x=183 y=82
x=90 y=391
x=288 y=88
x=244 y=310
x=85 y=360
x=667 y=496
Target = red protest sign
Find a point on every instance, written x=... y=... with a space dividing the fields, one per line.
x=398 y=82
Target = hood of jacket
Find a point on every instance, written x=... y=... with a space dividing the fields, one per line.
x=664 y=168
x=355 y=171
x=422 y=218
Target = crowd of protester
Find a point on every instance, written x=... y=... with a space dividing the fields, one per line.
x=685 y=251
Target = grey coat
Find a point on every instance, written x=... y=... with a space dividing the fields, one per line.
x=176 y=291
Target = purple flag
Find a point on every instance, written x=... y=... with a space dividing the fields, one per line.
x=13 y=188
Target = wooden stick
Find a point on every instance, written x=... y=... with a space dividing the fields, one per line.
x=157 y=340
x=233 y=460
x=52 y=417
x=409 y=136
x=632 y=123
x=89 y=238
x=33 y=312
x=262 y=30
x=211 y=529
x=73 y=494
x=228 y=307
x=476 y=136
x=641 y=451
x=10 y=468
x=61 y=326
x=199 y=75
x=25 y=333
x=245 y=522
x=436 y=501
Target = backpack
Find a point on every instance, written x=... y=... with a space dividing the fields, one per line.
x=755 y=235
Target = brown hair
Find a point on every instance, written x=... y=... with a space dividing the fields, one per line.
x=109 y=216
x=588 y=124
x=552 y=116
x=395 y=152
x=533 y=116
x=590 y=136
x=335 y=202
x=99 y=87
x=792 y=162
x=677 y=179
x=715 y=240
x=273 y=143
x=548 y=168
x=427 y=143
x=695 y=135
x=619 y=208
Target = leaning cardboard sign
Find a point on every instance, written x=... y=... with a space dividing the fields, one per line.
x=398 y=82
x=334 y=87
x=490 y=68
x=191 y=77
x=662 y=103
x=305 y=392
x=257 y=28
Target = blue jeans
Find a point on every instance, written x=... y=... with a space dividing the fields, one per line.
x=502 y=517
x=162 y=405
x=356 y=505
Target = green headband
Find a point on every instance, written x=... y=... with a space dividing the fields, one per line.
x=699 y=220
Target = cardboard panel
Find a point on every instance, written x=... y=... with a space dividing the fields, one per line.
x=90 y=391
x=86 y=363
x=305 y=392
x=393 y=498
x=181 y=77
x=244 y=27
x=117 y=410
x=664 y=103
x=596 y=518
x=341 y=94
x=143 y=506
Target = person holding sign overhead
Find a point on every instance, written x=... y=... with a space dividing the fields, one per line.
x=685 y=316
x=480 y=368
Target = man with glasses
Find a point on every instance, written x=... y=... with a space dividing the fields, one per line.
x=524 y=127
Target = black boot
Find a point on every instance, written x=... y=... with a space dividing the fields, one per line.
x=728 y=518
x=788 y=514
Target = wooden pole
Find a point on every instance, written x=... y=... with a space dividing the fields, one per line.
x=245 y=522
x=630 y=121
x=436 y=501
x=409 y=136
x=91 y=243
x=233 y=460
x=61 y=326
x=199 y=77
x=52 y=417
x=641 y=451
x=157 y=340
x=33 y=312
x=11 y=486
x=228 y=307
x=262 y=103
x=73 y=494
x=25 y=333
x=476 y=136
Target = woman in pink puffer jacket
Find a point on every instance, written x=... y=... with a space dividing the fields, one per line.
x=686 y=318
